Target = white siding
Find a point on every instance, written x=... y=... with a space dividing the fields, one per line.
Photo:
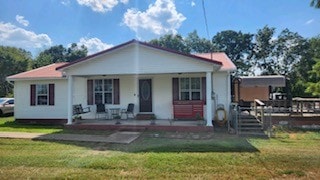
x=221 y=89
x=23 y=110
x=136 y=59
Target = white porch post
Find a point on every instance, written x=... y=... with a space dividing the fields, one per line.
x=209 y=99
x=70 y=99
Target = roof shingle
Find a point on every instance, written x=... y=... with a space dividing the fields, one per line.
x=45 y=72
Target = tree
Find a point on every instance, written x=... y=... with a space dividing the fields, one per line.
x=313 y=81
x=197 y=44
x=59 y=53
x=263 y=49
x=314 y=87
x=289 y=49
x=315 y=3
x=170 y=41
x=75 y=52
x=12 y=61
x=238 y=46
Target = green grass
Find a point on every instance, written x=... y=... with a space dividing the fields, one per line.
x=229 y=157
x=291 y=154
x=9 y=125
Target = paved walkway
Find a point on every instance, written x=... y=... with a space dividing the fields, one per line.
x=122 y=137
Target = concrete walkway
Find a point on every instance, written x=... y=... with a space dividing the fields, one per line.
x=122 y=137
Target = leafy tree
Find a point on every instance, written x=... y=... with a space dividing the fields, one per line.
x=60 y=54
x=315 y=3
x=197 y=44
x=238 y=46
x=170 y=41
x=12 y=61
x=313 y=81
x=289 y=48
x=263 y=49
x=314 y=87
x=75 y=52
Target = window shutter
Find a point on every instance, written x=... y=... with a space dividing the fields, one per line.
x=90 y=92
x=32 y=95
x=175 y=89
x=204 y=89
x=51 y=94
x=116 y=91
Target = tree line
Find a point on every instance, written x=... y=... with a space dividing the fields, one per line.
x=262 y=53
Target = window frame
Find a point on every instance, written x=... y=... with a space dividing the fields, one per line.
x=103 y=90
x=39 y=94
x=190 y=90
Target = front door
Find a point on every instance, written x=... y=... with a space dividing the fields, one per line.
x=145 y=95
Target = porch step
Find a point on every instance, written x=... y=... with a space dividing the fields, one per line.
x=148 y=116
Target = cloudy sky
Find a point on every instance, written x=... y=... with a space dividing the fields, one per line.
x=99 y=24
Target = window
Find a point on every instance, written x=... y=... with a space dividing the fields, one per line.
x=103 y=91
x=42 y=94
x=190 y=89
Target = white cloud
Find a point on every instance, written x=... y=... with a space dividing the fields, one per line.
x=193 y=4
x=93 y=44
x=160 y=18
x=21 y=20
x=12 y=35
x=309 y=21
x=65 y=2
x=101 y=6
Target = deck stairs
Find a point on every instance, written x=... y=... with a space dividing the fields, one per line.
x=250 y=125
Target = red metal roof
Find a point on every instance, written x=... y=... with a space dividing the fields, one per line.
x=227 y=64
x=45 y=72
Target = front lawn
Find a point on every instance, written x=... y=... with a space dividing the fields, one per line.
x=289 y=155
x=8 y=124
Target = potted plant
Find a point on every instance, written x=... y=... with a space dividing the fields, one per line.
x=153 y=119
x=117 y=117
x=199 y=119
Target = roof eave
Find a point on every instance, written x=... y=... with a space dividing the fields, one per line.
x=35 y=78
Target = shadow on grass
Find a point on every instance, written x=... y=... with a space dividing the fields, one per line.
x=146 y=143
x=206 y=142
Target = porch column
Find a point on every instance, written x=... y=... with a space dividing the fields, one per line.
x=209 y=99
x=70 y=90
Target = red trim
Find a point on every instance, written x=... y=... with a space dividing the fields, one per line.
x=142 y=43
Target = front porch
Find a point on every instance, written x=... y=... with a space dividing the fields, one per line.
x=141 y=125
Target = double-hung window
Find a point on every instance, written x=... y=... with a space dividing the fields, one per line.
x=190 y=88
x=42 y=94
x=103 y=91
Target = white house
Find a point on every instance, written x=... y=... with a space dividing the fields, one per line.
x=159 y=81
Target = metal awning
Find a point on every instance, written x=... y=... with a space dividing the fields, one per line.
x=262 y=81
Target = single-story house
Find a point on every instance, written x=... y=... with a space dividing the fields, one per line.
x=159 y=81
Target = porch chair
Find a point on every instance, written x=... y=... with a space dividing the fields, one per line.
x=128 y=111
x=101 y=109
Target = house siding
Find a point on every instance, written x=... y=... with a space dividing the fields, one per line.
x=23 y=109
x=139 y=60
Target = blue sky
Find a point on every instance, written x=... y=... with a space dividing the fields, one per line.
x=99 y=24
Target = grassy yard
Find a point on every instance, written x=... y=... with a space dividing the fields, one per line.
x=291 y=154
